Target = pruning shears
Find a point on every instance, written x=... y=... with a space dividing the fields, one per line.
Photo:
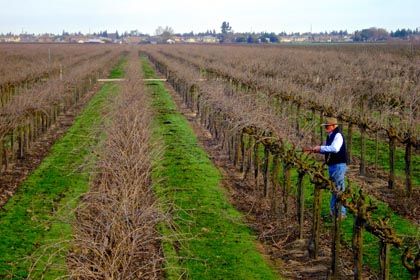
x=309 y=150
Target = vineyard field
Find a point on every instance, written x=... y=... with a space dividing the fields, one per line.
x=189 y=162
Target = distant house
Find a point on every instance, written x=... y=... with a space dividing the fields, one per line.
x=95 y=41
x=190 y=40
x=136 y=40
x=10 y=39
x=113 y=37
x=178 y=39
x=46 y=38
x=285 y=40
x=210 y=39
x=76 y=38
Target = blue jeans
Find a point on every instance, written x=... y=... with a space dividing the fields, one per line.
x=337 y=172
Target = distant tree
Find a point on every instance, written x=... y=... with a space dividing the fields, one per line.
x=160 y=31
x=164 y=34
x=241 y=39
x=403 y=33
x=190 y=34
x=269 y=37
x=226 y=28
x=371 y=34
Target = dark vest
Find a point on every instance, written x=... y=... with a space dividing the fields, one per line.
x=341 y=156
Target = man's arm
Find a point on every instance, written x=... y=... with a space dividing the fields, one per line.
x=335 y=145
x=333 y=148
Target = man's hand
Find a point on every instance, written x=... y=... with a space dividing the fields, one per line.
x=316 y=149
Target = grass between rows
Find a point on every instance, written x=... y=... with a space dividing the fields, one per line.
x=35 y=224
x=208 y=238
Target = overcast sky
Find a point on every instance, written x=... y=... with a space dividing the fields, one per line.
x=56 y=16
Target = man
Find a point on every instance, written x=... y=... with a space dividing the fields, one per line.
x=335 y=157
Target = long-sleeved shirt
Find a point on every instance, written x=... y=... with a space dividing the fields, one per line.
x=335 y=145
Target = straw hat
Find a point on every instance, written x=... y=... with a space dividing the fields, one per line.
x=330 y=121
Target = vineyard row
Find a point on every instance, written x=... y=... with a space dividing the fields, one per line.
x=232 y=118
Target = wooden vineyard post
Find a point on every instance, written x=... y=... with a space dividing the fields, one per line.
x=301 y=200
x=286 y=185
x=216 y=130
x=362 y=167
x=32 y=125
x=384 y=255
x=238 y=150
x=12 y=144
x=408 y=168
x=313 y=246
x=336 y=242
x=197 y=104
x=44 y=118
x=192 y=92
x=256 y=163
x=376 y=152
x=1 y=154
x=275 y=184
x=360 y=217
x=266 y=169
x=26 y=137
x=313 y=118
x=392 y=154
x=232 y=148
x=20 y=142
x=39 y=124
x=349 y=142
x=203 y=116
x=242 y=152
x=249 y=155
x=5 y=154
x=298 y=112
x=321 y=119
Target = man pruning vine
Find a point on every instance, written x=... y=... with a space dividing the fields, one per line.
x=335 y=157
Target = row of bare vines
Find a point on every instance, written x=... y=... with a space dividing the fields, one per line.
x=24 y=65
x=25 y=117
x=262 y=141
x=373 y=88
x=116 y=235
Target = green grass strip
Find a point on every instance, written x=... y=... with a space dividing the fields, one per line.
x=35 y=223
x=211 y=240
